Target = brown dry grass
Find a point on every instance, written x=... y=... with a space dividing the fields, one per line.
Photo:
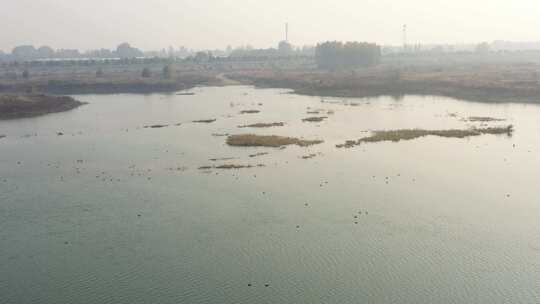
x=479 y=82
x=252 y=140
x=30 y=105
x=410 y=134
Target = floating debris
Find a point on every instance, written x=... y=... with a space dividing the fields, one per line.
x=263 y=125
x=220 y=134
x=410 y=134
x=185 y=94
x=252 y=140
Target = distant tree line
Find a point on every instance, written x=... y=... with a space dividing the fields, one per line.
x=338 y=55
x=28 y=53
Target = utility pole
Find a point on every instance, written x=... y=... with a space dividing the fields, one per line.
x=404 y=37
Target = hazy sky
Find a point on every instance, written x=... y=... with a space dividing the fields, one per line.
x=155 y=24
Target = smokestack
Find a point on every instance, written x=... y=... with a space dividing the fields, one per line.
x=287 y=32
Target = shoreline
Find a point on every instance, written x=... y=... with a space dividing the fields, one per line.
x=114 y=84
x=491 y=84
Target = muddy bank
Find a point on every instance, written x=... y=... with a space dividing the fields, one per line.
x=252 y=140
x=410 y=134
x=23 y=106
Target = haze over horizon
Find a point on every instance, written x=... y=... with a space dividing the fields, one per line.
x=207 y=24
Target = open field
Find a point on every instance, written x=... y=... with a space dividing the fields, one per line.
x=86 y=81
x=477 y=82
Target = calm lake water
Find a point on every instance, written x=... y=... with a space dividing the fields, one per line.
x=111 y=212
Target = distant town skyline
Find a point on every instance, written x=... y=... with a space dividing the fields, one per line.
x=207 y=24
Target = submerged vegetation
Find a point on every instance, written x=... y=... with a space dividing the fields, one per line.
x=252 y=140
x=231 y=167
x=482 y=119
x=250 y=112
x=204 y=121
x=155 y=126
x=263 y=125
x=309 y=156
x=258 y=154
x=314 y=119
x=410 y=134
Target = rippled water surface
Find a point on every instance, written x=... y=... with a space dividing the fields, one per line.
x=111 y=212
